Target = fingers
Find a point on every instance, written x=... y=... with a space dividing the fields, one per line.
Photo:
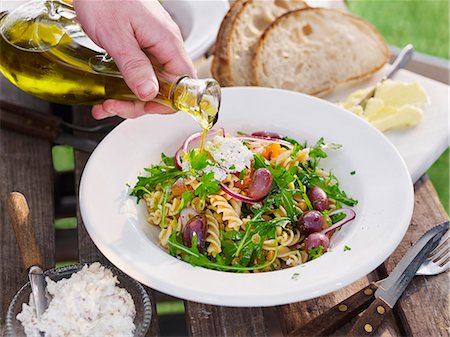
x=128 y=109
x=164 y=43
x=136 y=69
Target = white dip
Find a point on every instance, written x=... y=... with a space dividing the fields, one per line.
x=89 y=303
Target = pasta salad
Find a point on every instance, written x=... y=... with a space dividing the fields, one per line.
x=244 y=203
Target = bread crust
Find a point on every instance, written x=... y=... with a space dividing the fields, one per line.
x=219 y=63
x=257 y=62
x=223 y=57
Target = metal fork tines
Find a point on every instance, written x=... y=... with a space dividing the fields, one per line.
x=439 y=259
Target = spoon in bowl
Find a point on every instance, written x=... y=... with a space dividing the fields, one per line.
x=29 y=249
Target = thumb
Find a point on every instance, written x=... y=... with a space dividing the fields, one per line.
x=137 y=70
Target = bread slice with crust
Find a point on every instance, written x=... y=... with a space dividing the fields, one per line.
x=235 y=50
x=221 y=37
x=312 y=50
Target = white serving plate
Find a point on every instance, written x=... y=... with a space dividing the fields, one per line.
x=382 y=184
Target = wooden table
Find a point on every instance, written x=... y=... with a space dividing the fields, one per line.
x=26 y=166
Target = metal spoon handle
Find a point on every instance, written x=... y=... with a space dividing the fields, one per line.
x=401 y=60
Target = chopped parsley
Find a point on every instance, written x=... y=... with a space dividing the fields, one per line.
x=347 y=248
x=315 y=252
x=353 y=173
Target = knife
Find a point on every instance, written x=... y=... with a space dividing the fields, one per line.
x=29 y=249
x=378 y=298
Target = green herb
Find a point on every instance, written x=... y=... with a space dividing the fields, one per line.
x=337 y=217
x=295 y=276
x=241 y=133
x=208 y=185
x=353 y=173
x=198 y=160
x=232 y=167
x=242 y=174
x=194 y=257
x=315 y=252
x=164 y=173
x=347 y=248
x=166 y=189
x=328 y=184
x=186 y=198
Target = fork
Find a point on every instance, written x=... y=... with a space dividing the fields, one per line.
x=437 y=262
x=439 y=259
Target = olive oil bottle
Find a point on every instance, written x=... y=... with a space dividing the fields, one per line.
x=41 y=53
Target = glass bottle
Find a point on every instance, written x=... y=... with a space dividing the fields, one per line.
x=45 y=53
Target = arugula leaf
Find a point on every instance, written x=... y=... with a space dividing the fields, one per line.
x=186 y=198
x=337 y=217
x=168 y=161
x=316 y=252
x=194 y=257
x=329 y=184
x=164 y=173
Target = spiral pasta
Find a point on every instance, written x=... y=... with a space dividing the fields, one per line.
x=233 y=221
x=213 y=234
x=243 y=219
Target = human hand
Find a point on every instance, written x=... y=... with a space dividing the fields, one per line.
x=136 y=34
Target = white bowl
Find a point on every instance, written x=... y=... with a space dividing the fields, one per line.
x=382 y=185
x=199 y=22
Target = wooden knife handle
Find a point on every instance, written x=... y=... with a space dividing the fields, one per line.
x=371 y=319
x=23 y=229
x=337 y=316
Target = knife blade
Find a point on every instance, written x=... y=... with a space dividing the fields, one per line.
x=391 y=288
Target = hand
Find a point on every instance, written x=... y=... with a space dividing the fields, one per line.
x=137 y=34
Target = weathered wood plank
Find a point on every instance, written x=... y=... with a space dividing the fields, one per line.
x=25 y=166
x=424 y=308
x=87 y=249
x=211 y=320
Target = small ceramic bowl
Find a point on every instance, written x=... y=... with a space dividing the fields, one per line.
x=141 y=300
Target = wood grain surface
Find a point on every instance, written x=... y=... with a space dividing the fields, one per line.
x=211 y=320
x=424 y=308
x=25 y=166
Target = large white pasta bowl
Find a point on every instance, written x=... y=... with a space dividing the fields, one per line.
x=380 y=182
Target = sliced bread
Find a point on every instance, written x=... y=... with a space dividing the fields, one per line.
x=245 y=27
x=221 y=36
x=312 y=50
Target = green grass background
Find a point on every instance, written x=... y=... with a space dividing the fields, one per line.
x=425 y=24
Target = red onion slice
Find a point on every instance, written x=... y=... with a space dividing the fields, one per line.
x=238 y=196
x=187 y=214
x=187 y=144
x=267 y=134
x=267 y=140
x=349 y=216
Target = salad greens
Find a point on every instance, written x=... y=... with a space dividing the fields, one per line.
x=242 y=251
